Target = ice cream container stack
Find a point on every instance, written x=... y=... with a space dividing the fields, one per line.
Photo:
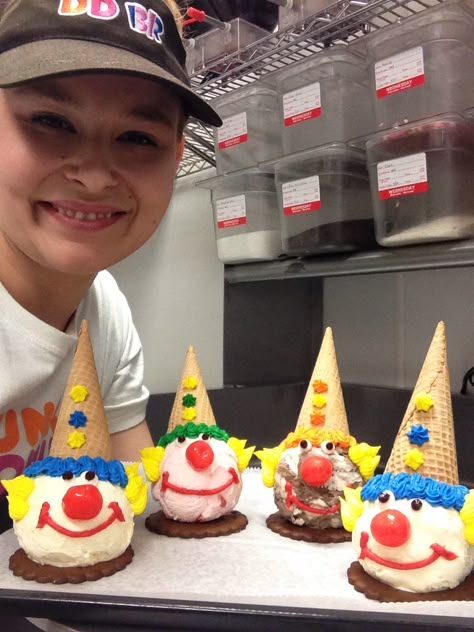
x=246 y=218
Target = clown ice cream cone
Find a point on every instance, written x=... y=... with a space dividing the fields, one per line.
x=413 y=525
x=311 y=466
x=196 y=467
x=82 y=427
x=191 y=401
x=73 y=511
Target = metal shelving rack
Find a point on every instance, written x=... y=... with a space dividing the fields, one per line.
x=342 y=22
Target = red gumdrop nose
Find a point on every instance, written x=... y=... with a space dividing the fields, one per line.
x=82 y=502
x=390 y=527
x=200 y=454
x=316 y=470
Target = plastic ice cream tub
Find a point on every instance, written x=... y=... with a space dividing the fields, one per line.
x=250 y=133
x=219 y=42
x=423 y=66
x=422 y=181
x=246 y=218
x=324 y=201
x=298 y=10
x=324 y=98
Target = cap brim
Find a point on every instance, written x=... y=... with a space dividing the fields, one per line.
x=59 y=57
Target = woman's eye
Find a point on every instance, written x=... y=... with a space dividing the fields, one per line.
x=138 y=138
x=54 y=121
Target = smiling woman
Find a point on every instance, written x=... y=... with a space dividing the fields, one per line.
x=91 y=119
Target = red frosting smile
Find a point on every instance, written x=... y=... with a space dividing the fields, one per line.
x=45 y=519
x=291 y=499
x=165 y=484
x=438 y=551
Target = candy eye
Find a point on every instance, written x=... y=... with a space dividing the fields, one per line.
x=416 y=504
x=384 y=497
x=305 y=445
x=181 y=439
x=205 y=436
x=328 y=447
x=90 y=475
x=67 y=476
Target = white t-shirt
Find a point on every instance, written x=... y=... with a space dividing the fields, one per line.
x=35 y=360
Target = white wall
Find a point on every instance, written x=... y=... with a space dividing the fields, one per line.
x=383 y=323
x=174 y=285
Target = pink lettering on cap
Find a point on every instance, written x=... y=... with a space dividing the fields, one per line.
x=101 y=9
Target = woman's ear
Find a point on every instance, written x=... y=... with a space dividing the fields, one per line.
x=180 y=150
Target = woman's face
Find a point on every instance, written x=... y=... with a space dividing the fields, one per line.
x=87 y=166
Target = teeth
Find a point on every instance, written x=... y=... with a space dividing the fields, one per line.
x=79 y=215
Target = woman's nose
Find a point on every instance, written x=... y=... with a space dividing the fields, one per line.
x=91 y=167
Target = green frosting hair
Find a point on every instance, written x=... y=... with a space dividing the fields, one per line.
x=192 y=431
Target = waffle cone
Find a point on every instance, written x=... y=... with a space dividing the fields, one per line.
x=96 y=431
x=440 y=461
x=326 y=370
x=204 y=413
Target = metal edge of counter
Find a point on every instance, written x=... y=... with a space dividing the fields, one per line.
x=158 y=614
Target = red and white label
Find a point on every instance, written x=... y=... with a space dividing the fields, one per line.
x=301 y=196
x=302 y=104
x=399 y=72
x=402 y=176
x=231 y=211
x=233 y=131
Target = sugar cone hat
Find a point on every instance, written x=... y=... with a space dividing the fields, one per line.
x=192 y=401
x=323 y=405
x=425 y=442
x=82 y=428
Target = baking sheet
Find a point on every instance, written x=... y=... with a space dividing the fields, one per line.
x=255 y=567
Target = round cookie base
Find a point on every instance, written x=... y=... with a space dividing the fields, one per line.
x=374 y=589
x=225 y=525
x=23 y=566
x=278 y=524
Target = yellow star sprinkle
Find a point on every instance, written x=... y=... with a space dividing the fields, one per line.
x=423 y=401
x=78 y=393
x=190 y=382
x=319 y=400
x=189 y=413
x=414 y=458
x=76 y=439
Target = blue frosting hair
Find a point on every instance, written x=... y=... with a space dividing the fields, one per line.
x=111 y=471
x=416 y=486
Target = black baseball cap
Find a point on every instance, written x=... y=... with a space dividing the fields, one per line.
x=53 y=38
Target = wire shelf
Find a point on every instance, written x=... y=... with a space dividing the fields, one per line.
x=341 y=23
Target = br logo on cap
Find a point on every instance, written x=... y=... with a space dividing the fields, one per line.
x=140 y=19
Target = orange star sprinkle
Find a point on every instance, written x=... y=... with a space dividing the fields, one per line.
x=317 y=419
x=319 y=386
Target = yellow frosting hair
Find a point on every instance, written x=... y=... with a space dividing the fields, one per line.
x=136 y=490
x=151 y=459
x=366 y=458
x=19 y=490
x=351 y=507
x=467 y=516
x=243 y=454
x=269 y=458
